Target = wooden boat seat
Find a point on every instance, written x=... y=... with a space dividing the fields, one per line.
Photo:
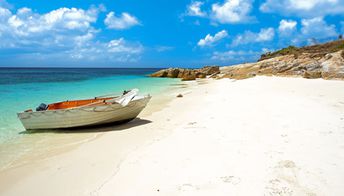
x=76 y=103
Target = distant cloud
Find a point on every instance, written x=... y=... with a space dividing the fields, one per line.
x=286 y=27
x=118 y=50
x=317 y=28
x=309 y=8
x=228 y=12
x=313 y=30
x=5 y=4
x=124 y=21
x=265 y=34
x=233 y=56
x=232 y=11
x=194 y=9
x=163 y=48
x=210 y=40
x=121 y=46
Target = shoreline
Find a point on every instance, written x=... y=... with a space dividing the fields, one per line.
x=273 y=134
x=51 y=143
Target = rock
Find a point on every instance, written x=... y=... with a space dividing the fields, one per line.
x=209 y=70
x=201 y=75
x=179 y=95
x=189 y=77
x=321 y=61
x=312 y=74
x=329 y=66
x=161 y=73
x=187 y=74
x=172 y=73
x=328 y=56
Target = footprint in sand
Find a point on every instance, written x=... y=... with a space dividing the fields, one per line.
x=191 y=126
x=187 y=187
x=286 y=164
x=277 y=187
x=231 y=179
x=285 y=181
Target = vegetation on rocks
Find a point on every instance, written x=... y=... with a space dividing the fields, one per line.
x=318 y=50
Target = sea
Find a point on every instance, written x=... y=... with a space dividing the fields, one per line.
x=25 y=88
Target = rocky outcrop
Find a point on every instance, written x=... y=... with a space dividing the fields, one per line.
x=187 y=74
x=318 y=61
x=318 y=50
x=307 y=65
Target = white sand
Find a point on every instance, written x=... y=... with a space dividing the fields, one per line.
x=265 y=135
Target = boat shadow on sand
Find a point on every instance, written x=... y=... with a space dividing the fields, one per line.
x=117 y=126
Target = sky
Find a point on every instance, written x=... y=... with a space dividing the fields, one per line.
x=159 y=33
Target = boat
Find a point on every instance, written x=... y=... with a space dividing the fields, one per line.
x=87 y=112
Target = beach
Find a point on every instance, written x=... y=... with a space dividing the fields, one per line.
x=259 y=136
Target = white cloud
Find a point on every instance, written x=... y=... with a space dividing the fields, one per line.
x=120 y=45
x=265 y=34
x=304 y=7
x=287 y=27
x=118 y=50
x=313 y=30
x=317 y=28
x=64 y=33
x=62 y=27
x=232 y=11
x=125 y=21
x=194 y=9
x=210 y=40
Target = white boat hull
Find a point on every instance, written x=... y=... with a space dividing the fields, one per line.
x=83 y=116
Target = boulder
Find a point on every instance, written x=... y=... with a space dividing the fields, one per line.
x=312 y=74
x=161 y=73
x=172 y=73
x=187 y=74
x=201 y=75
x=209 y=70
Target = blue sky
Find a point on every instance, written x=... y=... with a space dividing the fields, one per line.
x=159 y=33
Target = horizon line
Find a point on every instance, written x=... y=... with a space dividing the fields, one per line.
x=85 y=67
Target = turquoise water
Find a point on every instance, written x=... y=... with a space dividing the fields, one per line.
x=21 y=89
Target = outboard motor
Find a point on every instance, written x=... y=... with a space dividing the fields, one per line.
x=42 y=107
x=125 y=92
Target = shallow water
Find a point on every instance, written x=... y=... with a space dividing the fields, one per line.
x=21 y=89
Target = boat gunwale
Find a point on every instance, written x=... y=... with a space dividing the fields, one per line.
x=74 y=108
